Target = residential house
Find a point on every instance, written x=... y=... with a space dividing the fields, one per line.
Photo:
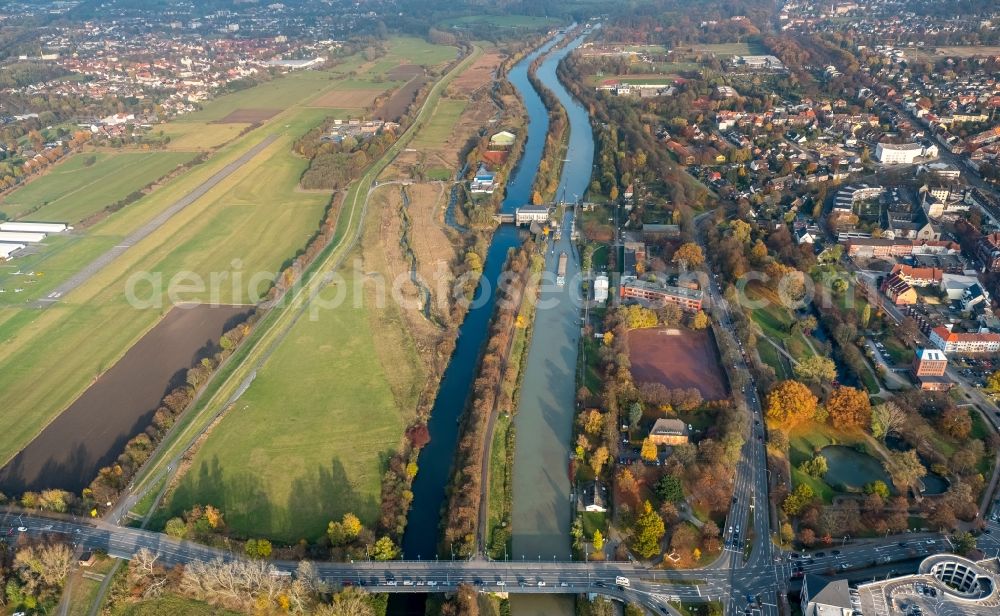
x=964 y=342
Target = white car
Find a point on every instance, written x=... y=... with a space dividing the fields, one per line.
x=432 y=583
x=22 y=529
x=541 y=583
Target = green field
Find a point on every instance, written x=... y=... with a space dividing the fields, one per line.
x=435 y=132
x=198 y=135
x=502 y=21
x=306 y=443
x=73 y=190
x=752 y=48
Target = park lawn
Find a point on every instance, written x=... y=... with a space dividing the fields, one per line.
x=594 y=520
x=896 y=349
x=170 y=605
x=770 y=356
x=72 y=190
x=804 y=441
x=438 y=129
x=307 y=442
x=198 y=135
x=499 y=506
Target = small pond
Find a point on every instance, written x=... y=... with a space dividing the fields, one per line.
x=933 y=483
x=849 y=469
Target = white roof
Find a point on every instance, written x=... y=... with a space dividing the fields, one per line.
x=6 y=249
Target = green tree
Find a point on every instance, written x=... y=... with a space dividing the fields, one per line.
x=647 y=532
x=176 y=527
x=964 y=542
x=385 y=549
x=877 y=487
x=816 y=368
x=258 y=548
x=796 y=501
x=670 y=489
x=634 y=414
x=598 y=540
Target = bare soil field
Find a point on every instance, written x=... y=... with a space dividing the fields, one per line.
x=962 y=51
x=478 y=75
x=346 y=99
x=93 y=431
x=678 y=359
x=404 y=72
x=395 y=107
x=248 y=116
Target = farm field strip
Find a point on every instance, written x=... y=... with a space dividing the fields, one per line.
x=71 y=190
x=237 y=375
x=144 y=231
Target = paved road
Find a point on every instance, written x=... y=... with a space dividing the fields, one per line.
x=652 y=588
x=91 y=269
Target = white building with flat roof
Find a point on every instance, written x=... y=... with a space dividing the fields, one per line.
x=601 y=289
x=902 y=153
x=34 y=227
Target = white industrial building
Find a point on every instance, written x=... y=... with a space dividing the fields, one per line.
x=34 y=227
x=6 y=250
x=601 y=289
x=18 y=237
x=903 y=153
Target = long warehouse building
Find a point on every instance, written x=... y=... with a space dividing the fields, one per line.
x=34 y=227
x=21 y=237
x=8 y=249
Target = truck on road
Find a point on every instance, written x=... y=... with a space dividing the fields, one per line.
x=561 y=270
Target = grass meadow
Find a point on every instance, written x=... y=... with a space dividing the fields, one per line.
x=441 y=124
x=73 y=190
x=307 y=442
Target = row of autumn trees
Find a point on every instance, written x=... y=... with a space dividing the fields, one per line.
x=487 y=397
x=550 y=167
x=247 y=586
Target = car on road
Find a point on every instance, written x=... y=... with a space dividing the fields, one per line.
x=431 y=583
x=541 y=583
x=22 y=529
x=835 y=552
x=820 y=554
x=501 y=583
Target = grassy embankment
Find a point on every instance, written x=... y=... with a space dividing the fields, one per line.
x=334 y=397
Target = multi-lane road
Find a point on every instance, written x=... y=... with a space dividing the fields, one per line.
x=731 y=584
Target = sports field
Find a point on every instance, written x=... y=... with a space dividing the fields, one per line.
x=306 y=443
x=86 y=183
x=678 y=359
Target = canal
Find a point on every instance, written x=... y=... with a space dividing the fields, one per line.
x=420 y=539
x=542 y=508
x=547 y=406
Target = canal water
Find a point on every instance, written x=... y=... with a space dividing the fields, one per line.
x=423 y=525
x=542 y=508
